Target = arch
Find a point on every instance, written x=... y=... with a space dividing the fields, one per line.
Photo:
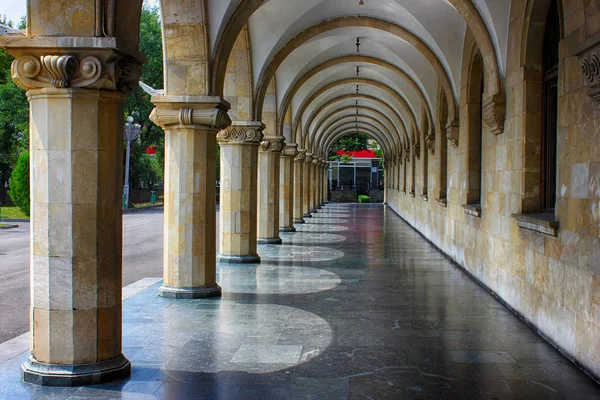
x=352 y=97
x=353 y=124
x=364 y=81
x=348 y=108
x=532 y=40
x=474 y=91
x=238 y=85
x=465 y=8
x=352 y=58
x=185 y=46
x=343 y=22
x=348 y=131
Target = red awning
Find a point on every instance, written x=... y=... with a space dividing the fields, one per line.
x=357 y=154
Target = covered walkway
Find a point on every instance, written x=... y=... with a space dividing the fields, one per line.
x=355 y=304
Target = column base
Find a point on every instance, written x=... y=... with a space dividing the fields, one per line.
x=38 y=373
x=313 y=211
x=308 y=216
x=172 y=292
x=276 y=240
x=287 y=228
x=248 y=259
x=299 y=221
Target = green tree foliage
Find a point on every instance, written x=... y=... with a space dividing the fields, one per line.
x=143 y=171
x=14 y=119
x=19 y=183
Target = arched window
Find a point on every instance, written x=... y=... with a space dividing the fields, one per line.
x=474 y=111
x=549 y=109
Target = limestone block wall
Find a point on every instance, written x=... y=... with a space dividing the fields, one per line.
x=553 y=282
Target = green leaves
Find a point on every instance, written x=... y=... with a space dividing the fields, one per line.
x=19 y=183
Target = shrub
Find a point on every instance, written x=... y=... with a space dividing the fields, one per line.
x=363 y=199
x=19 y=183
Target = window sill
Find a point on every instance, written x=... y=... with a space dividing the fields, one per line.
x=442 y=203
x=545 y=223
x=472 y=209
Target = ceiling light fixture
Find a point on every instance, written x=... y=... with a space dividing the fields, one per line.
x=361 y=3
x=358 y=45
x=357 y=89
x=357 y=71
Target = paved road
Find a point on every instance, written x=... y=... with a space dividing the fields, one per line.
x=142 y=257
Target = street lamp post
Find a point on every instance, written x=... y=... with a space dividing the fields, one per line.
x=131 y=132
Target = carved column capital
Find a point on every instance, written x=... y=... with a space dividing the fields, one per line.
x=452 y=132
x=316 y=161
x=301 y=156
x=290 y=150
x=407 y=155
x=384 y=164
x=242 y=132
x=494 y=113
x=208 y=112
x=589 y=58
x=272 y=144
x=308 y=158
x=430 y=143
x=416 y=147
x=106 y=69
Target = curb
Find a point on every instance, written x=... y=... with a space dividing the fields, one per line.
x=8 y=226
x=134 y=210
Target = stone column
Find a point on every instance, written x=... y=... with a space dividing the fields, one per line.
x=76 y=158
x=189 y=260
x=307 y=185
x=269 y=161
x=318 y=186
x=238 y=201
x=299 y=187
x=325 y=182
x=314 y=183
x=286 y=188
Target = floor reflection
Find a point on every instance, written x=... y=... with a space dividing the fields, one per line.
x=286 y=252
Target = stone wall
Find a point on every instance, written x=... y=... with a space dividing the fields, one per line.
x=553 y=282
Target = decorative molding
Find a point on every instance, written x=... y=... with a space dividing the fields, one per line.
x=241 y=134
x=417 y=150
x=308 y=157
x=106 y=70
x=301 y=155
x=541 y=222
x=589 y=58
x=316 y=161
x=214 y=118
x=273 y=144
x=430 y=143
x=290 y=150
x=452 y=133
x=407 y=155
x=472 y=209
x=494 y=113
x=442 y=202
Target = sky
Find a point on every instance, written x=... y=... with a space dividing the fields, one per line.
x=15 y=9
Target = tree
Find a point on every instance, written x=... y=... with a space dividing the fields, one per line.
x=19 y=183
x=139 y=105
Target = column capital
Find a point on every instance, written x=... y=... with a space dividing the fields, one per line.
x=308 y=158
x=452 y=132
x=202 y=111
x=242 y=132
x=41 y=65
x=272 y=144
x=290 y=150
x=315 y=161
x=301 y=155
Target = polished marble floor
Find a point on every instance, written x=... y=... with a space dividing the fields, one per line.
x=355 y=305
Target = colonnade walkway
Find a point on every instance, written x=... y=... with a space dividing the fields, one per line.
x=355 y=304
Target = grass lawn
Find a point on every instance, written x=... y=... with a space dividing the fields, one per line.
x=12 y=213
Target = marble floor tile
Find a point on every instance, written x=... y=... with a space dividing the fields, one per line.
x=354 y=305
